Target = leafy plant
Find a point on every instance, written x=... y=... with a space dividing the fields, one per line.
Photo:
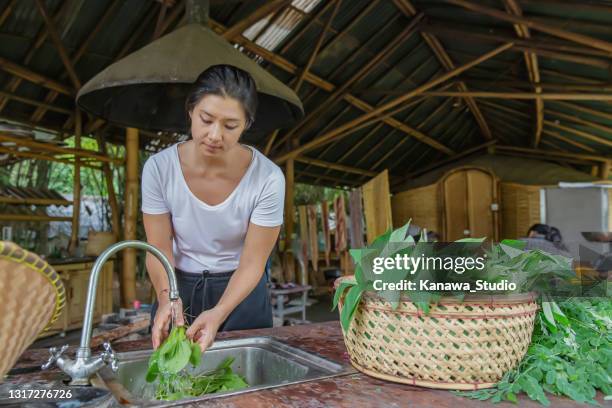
x=530 y=270
x=168 y=365
x=573 y=358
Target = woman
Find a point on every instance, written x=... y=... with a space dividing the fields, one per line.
x=214 y=206
x=546 y=238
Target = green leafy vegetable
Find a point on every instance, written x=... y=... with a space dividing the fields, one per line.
x=168 y=365
x=574 y=360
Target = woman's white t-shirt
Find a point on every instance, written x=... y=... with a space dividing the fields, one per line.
x=211 y=237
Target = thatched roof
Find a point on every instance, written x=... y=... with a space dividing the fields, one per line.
x=349 y=58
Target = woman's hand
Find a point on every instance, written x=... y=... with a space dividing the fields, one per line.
x=163 y=317
x=204 y=328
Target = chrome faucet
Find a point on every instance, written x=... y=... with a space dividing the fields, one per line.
x=81 y=369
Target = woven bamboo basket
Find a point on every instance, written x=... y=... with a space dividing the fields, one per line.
x=32 y=299
x=465 y=345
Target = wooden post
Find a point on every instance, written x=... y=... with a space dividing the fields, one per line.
x=112 y=198
x=289 y=221
x=76 y=189
x=128 y=272
x=604 y=170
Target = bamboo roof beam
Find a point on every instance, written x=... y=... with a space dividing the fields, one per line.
x=289 y=67
x=335 y=166
x=312 y=19
x=51 y=148
x=496 y=35
x=34 y=201
x=329 y=136
x=557 y=32
x=72 y=61
x=41 y=36
x=37 y=156
x=34 y=77
x=445 y=60
x=307 y=122
x=584 y=109
x=268 y=8
x=499 y=108
x=317 y=47
x=7 y=11
x=337 y=180
x=33 y=102
x=365 y=11
x=545 y=153
x=33 y=218
x=392 y=151
x=531 y=62
x=543 y=49
x=57 y=41
x=525 y=95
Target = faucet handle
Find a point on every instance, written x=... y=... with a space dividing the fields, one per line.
x=108 y=355
x=55 y=354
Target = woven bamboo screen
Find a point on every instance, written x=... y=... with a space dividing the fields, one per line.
x=377 y=206
x=422 y=205
x=520 y=209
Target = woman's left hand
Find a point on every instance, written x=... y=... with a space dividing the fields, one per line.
x=204 y=328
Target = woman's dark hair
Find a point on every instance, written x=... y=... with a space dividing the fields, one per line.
x=227 y=81
x=551 y=234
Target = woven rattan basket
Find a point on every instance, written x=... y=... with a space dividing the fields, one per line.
x=465 y=345
x=32 y=299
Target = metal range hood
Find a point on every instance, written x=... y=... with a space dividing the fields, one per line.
x=147 y=89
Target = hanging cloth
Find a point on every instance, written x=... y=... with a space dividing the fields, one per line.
x=356 y=216
x=326 y=237
x=339 y=209
x=313 y=237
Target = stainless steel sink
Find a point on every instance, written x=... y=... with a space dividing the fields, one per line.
x=262 y=361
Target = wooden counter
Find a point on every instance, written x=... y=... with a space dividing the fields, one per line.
x=350 y=391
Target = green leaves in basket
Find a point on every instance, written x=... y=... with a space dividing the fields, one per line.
x=574 y=360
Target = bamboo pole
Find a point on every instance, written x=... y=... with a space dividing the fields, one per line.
x=531 y=62
x=37 y=218
x=33 y=102
x=41 y=36
x=51 y=148
x=308 y=121
x=112 y=198
x=128 y=272
x=57 y=41
x=525 y=95
x=446 y=61
x=29 y=155
x=289 y=221
x=391 y=104
x=34 y=77
x=321 y=83
x=34 y=201
x=71 y=62
x=604 y=170
x=545 y=153
x=335 y=166
x=76 y=206
x=317 y=47
x=577 y=132
x=261 y=12
x=305 y=27
x=557 y=32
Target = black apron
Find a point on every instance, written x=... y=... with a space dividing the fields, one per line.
x=202 y=291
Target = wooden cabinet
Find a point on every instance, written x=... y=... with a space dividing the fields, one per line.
x=75 y=277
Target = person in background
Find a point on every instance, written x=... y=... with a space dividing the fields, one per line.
x=546 y=238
